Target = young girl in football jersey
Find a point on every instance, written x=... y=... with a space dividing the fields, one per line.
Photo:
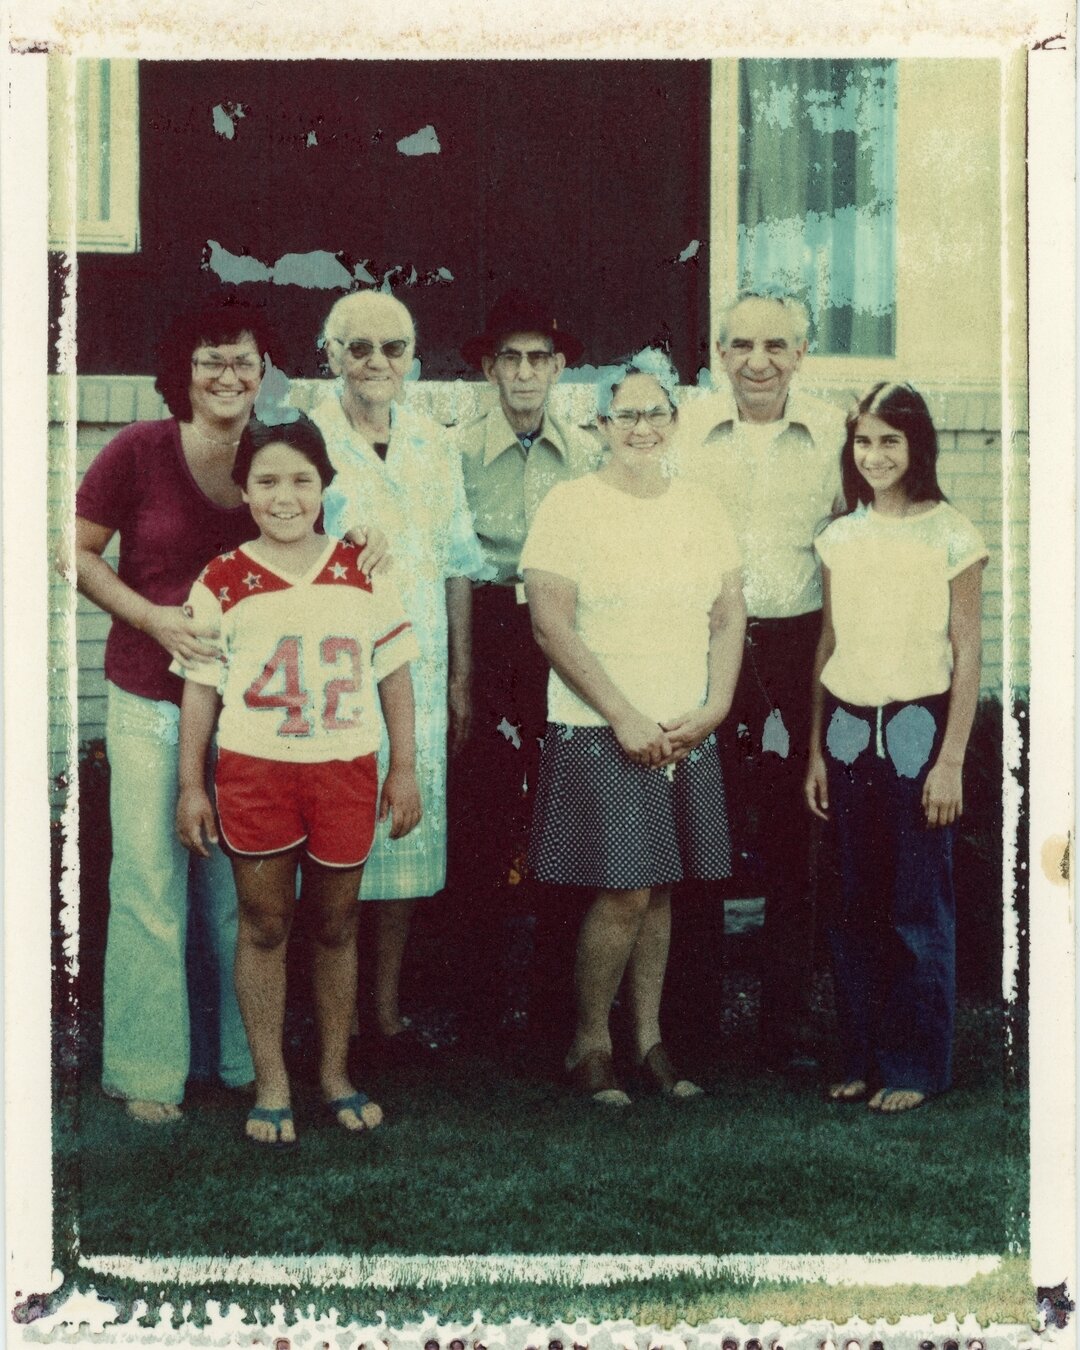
x=896 y=683
x=305 y=640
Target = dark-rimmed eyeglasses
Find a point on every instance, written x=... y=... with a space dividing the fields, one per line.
x=243 y=367
x=627 y=418
x=360 y=348
x=512 y=359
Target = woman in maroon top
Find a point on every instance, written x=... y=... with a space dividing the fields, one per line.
x=166 y=487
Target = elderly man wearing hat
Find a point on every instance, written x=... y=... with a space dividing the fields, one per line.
x=511 y=456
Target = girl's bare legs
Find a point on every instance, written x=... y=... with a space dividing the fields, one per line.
x=331 y=894
x=394 y=916
x=266 y=890
x=608 y=935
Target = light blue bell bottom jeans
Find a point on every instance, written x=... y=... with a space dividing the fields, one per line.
x=155 y=887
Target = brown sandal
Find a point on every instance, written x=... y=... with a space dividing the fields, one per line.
x=659 y=1074
x=594 y=1075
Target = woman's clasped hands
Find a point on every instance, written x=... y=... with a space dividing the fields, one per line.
x=644 y=741
x=655 y=744
x=686 y=732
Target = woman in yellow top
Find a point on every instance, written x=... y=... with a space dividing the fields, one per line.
x=635 y=592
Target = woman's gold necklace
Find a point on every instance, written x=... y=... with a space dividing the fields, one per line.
x=210 y=440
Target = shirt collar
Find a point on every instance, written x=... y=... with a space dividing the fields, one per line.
x=797 y=410
x=500 y=436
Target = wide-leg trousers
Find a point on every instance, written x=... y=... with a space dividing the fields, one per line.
x=152 y=884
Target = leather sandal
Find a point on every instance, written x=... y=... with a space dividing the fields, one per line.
x=594 y=1076
x=659 y=1074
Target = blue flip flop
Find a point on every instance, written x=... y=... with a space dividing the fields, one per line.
x=272 y=1115
x=354 y=1102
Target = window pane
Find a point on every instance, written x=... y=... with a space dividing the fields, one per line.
x=82 y=157
x=817 y=195
x=105 y=124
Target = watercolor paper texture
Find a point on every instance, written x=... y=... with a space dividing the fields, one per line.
x=960 y=125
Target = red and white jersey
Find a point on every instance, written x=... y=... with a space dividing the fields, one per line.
x=301 y=657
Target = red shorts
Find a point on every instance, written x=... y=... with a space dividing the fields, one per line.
x=268 y=806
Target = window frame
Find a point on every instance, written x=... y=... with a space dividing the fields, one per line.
x=94 y=232
x=833 y=371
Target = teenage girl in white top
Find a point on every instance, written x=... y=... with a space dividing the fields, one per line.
x=896 y=683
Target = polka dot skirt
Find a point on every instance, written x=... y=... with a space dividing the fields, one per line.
x=601 y=820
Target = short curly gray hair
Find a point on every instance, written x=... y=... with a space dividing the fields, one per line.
x=648 y=361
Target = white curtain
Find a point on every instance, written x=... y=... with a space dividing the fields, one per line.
x=817 y=195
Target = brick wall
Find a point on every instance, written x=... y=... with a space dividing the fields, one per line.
x=987 y=488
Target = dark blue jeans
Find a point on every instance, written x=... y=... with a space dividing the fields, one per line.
x=893 y=936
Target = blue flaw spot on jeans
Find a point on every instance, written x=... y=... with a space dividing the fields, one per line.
x=847 y=736
x=774 y=735
x=909 y=738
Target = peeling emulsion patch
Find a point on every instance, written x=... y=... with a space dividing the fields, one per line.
x=234 y=268
x=272 y=406
x=690 y=251
x=422 y=142
x=511 y=732
x=1055 y=1305
x=293 y=1326
x=317 y=269
x=909 y=738
x=226 y=116
x=847 y=736
x=774 y=735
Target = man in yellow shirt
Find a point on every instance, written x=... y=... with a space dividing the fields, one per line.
x=772 y=454
x=511 y=456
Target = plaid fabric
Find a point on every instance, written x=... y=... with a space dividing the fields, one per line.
x=402 y=869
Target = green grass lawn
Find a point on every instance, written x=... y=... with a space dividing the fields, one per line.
x=473 y=1161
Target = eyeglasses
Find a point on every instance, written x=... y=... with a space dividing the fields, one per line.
x=243 y=367
x=361 y=348
x=512 y=359
x=627 y=418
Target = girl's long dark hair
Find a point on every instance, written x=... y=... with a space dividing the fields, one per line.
x=904 y=409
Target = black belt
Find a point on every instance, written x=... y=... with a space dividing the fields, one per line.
x=500 y=594
x=783 y=620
